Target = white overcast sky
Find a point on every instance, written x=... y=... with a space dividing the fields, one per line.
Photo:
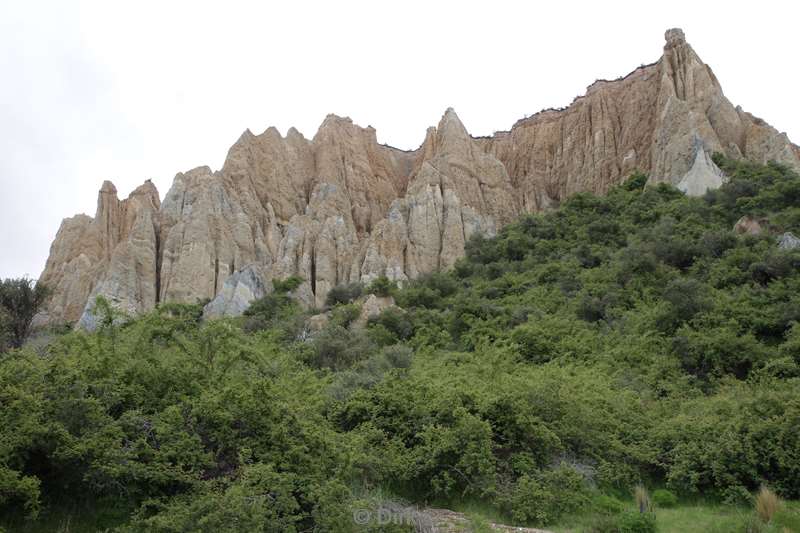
x=133 y=90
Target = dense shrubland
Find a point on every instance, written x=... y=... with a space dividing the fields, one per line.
x=631 y=339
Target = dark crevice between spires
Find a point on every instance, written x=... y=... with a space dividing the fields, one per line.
x=216 y=275
x=314 y=273
x=159 y=260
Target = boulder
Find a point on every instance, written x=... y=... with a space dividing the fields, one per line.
x=372 y=307
x=748 y=225
x=788 y=241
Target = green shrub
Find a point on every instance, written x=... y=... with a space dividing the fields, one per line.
x=286 y=285
x=382 y=286
x=396 y=323
x=607 y=505
x=419 y=296
x=345 y=314
x=339 y=348
x=635 y=182
x=625 y=522
x=664 y=498
x=20 y=300
x=636 y=522
x=544 y=497
x=344 y=294
x=266 y=312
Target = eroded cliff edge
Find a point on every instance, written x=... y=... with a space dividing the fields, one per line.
x=340 y=207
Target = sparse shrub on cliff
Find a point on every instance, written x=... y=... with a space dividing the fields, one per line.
x=289 y=284
x=635 y=182
x=382 y=286
x=344 y=294
x=268 y=311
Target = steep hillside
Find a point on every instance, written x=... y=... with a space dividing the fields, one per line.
x=642 y=337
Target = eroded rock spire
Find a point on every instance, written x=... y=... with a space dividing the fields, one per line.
x=340 y=207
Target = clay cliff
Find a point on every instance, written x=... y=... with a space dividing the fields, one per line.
x=341 y=207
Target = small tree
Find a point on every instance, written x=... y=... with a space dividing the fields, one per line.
x=382 y=286
x=20 y=300
x=344 y=293
x=283 y=286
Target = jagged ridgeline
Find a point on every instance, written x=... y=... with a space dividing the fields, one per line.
x=342 y=208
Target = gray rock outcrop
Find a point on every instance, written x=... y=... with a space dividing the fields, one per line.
x=788 y=241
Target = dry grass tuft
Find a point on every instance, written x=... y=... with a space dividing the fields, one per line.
x=642 y=498
x=767 y=504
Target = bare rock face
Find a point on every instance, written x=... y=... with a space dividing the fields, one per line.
x=788 y=241
x=652 y=120
x=456 y=190
x=238 y=291
x=703 y=175
x=748 y=225
x=372 y=307
x=113 y=255
x=340 y=207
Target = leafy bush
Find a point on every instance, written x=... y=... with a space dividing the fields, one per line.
x=382 y=286
x=286 y=285
x=635 y=182
x=395 y=323
x=345 y=314
x=266 y=312
x=20 y=300
x=636 y=522
x=544 y=498
x=607 y=505
x=664 y=498
x=344 y=294
x=339 y=348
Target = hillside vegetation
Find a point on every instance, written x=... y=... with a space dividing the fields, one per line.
x=619 y=341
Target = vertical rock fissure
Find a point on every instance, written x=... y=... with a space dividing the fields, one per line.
x=159 y=260
x=314 y=273
x=216 y=275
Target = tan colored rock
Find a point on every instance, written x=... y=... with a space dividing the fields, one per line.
x=372 y=307
x=340 y=207
x=748 y=225
x=317 y=323
x=652 y=120
x=113 y=254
